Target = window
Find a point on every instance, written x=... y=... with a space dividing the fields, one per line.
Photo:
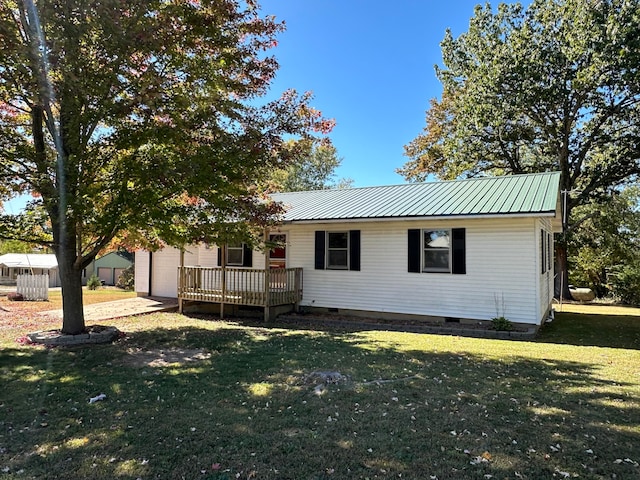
x=550 y=250
x=437 y=251
x=235 y=255
x=238 y=255
x=543 y=251
x=337 y=250
x=436 y=255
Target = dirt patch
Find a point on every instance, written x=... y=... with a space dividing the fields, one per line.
x=164 y=357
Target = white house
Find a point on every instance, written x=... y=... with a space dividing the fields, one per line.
x=454 y=251
x=14 y=264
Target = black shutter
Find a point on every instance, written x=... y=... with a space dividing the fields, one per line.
x=320 y=249
x=459 y=260
x=354 y=249
x=247 y=257
x=413 y=249
x=219 y=256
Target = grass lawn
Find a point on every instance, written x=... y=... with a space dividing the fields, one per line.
x=190 y=398
x=100 y=295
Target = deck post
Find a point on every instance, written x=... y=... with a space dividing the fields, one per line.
x=267 y=278
x=297 y=287
x=223 y=280
x=181 y=280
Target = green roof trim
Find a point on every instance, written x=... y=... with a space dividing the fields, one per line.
x=514 y=195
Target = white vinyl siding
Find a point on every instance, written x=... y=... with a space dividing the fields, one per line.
x=503 y=267
x=141 y=275
x=545 y=284
x=501 y=261
x=165 y=265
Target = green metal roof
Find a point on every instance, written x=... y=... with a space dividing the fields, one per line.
x=515 y=195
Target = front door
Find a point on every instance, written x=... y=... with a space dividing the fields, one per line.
x=278 y=254
x=278 y=261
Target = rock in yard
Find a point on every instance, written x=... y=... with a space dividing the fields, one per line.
x=582 y=294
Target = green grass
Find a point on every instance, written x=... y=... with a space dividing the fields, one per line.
x=54 y=302
x=414 y=406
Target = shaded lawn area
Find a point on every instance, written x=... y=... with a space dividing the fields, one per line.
x=414 y=406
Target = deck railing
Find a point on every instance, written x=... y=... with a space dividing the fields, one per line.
x=240 y=286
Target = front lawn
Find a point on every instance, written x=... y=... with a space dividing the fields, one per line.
x=104 y=294
x=205 y=399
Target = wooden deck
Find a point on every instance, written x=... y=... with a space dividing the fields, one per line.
x=240 y=286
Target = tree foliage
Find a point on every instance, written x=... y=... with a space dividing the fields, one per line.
x=141 y=116
x=607 y=243
x=552 y=87
x=314 y=171
x=15 y=246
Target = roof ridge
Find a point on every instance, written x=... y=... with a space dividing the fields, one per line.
x=408 y=184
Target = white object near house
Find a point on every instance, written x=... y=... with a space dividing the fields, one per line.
x=14 y=264
x=444 y=250
x=33 y=287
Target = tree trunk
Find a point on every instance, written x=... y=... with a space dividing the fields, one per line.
x=561 y=283
x=71 y=280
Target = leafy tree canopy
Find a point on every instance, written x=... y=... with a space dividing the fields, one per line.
x=553 y=87
x=140 y=116
x=607 y=241
x=15 y=246
x=314 y=171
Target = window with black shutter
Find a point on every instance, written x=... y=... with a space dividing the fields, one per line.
x=338 y=250
x=238 y=255
x=436 y=251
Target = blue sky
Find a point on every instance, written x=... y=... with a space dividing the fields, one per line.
x=370 y=65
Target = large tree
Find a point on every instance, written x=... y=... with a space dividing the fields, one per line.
x=140 y=116
x=316 y=170
x=552 y=87
x=607 y=241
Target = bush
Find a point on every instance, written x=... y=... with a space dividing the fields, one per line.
x=94 y=282
x=625 y=284
x=126 y=278
x=502 y=324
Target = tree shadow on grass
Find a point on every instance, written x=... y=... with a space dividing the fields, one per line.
x=246 y=411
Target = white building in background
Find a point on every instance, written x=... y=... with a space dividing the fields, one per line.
x=14 y=264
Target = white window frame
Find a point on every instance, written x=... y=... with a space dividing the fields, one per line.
x=329 y=249
x=234 y=248
x=423 y=251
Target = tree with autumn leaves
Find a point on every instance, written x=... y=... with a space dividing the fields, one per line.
x=555 y=86
x=140 y=116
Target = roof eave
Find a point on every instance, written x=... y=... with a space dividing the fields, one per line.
x=551 y=213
